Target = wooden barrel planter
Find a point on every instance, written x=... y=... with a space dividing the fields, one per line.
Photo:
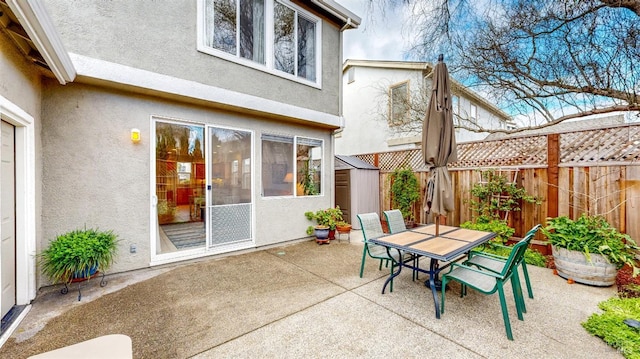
x=574 y=265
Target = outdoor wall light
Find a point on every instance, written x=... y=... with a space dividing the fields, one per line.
x=135 y=135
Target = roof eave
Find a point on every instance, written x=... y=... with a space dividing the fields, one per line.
x=349 y=19
x=36 y=22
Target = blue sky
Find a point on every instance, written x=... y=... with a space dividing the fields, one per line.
x=381 y=35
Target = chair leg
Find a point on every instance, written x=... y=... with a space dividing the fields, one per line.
x=526 y=279
x=505 y=313
x=364 y=256
x=517 y=294
x=444 y=289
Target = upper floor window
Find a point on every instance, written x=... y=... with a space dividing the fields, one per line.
x=275 y=36
x=399 y=103
x=473 y=115
x=351 y=75
x=455 y=105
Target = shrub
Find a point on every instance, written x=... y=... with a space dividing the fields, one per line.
x=78 y=252
x=611 y=328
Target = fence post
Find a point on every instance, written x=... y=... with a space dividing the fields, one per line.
x=553 y=160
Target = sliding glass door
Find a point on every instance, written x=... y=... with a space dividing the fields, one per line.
x=203 y=186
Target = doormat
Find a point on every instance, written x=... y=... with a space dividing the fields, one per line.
x=185 y=235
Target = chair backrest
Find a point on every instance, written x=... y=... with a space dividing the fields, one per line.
x=371 y=226
x=527 y=239
x=533 y=230
x=395 y=221
x=516 y=256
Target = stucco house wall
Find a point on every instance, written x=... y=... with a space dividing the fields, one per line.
x=97 y=177
x=161 y=37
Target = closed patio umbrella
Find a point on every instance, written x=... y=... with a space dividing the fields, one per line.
x=439 y=145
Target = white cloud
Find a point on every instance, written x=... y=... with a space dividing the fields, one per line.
x=380 y=36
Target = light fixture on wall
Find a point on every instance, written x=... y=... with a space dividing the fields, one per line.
x=135 y=135
x=288 y=178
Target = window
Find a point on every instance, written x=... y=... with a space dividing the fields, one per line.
x=277 y=165
x=455 y=103
x=399 y=103
x=284 y=175
x=473 y=115
x=351 y=73
x=309 y=166
x=271 y=35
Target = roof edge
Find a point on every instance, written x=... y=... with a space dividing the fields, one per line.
x=350 y=19
x=36 y=22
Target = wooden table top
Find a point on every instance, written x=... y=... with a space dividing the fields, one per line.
x=451 y=242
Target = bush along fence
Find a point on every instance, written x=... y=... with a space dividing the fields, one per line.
x=596 y=172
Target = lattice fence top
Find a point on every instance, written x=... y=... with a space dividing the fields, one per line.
x=615 y=144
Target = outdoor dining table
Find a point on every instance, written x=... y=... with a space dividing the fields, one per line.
x=449 y=246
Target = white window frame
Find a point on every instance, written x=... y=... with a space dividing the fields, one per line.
x=407 y=116
x=269 y=67
x=473 y=112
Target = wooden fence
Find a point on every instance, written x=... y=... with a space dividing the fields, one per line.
x=595 y=172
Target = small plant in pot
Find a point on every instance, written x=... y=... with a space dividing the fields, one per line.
x=604 y=249
x=78 y=254
x=326 y=220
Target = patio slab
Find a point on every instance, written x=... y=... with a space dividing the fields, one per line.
x=307 y=300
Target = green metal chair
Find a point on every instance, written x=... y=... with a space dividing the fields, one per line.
x=489 y=282
x=372 y=228
x=495 y=263
x=396 y=224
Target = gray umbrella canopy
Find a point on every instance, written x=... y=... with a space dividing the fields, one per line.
x=439 y=144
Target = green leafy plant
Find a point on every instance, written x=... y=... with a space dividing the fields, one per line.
x=611 y=328
x=497 y=244
x=308 y=183
x=328 y=217
x=496 y=195
x=499 y=227
x=405 y=191
x=166 y=208
x=77 y=253
x=592 y=234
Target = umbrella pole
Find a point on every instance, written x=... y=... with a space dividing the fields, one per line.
x=437 y=225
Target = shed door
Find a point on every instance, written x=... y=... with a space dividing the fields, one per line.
x=343 y=193
x=8 y=215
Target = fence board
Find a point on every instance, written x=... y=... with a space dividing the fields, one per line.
x=632 y=189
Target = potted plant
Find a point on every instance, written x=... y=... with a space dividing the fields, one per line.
x=405 y=191
x=589 y=250
x=78 y=254
x=166 y=211
x=326 y=220
x=343 y=227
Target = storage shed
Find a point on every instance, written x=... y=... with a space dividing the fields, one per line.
x=357 y=188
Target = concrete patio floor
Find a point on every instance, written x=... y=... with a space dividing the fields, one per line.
x=307 y=300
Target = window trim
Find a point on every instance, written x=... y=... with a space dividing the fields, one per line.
x=269 y=66
x=392 y=122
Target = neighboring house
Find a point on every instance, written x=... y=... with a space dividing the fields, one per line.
x=385 y=101
x=190 y=128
